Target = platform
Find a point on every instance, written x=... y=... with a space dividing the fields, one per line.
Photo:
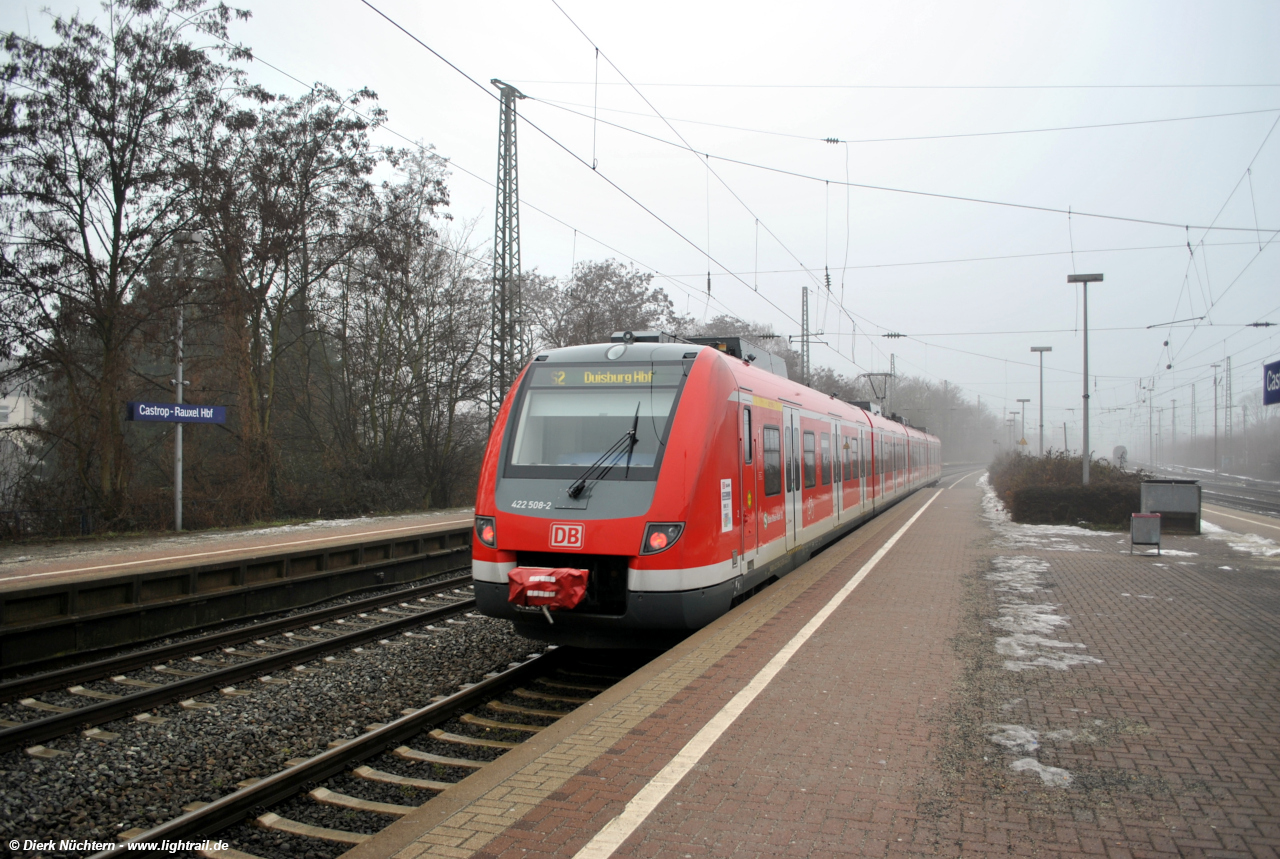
x=985 y=688
x=71 y=560
x=65 y=599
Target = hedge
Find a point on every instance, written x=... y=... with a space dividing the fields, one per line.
x=1105 y=505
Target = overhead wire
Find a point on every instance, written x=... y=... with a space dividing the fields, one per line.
x=573 y=154
x=708 y=156
x=1212 y=302
x=454 y=164
x=687 y=84
x=707 y=161
x=933 y=194
x=917 y=137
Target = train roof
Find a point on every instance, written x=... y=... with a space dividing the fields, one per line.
x=751 y=374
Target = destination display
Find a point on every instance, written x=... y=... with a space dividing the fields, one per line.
x=185 y=413
x=618 y=375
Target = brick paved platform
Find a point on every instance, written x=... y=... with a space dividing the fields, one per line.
x=987 y=689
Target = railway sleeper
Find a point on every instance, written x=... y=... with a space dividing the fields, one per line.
x=36 y=704
x=228 y=853
x=175 y=672
x=129 y=681
x=324 y=796
x=273 y=821
x=458 y=739
x=544 y=696
x=524 y=711
x=574 y=687
x=481 y=722
x=371 y=774
x=408 y=754
x=93 y=693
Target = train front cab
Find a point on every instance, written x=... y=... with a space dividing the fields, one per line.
x=570 y=411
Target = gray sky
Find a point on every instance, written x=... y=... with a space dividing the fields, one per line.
x=812 y=70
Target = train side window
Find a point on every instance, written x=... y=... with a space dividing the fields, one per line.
x=847 y=456
x=772 y=460
x=825 y=443
x=746 y=435
x=810 y=466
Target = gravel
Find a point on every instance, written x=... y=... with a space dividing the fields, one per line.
x=144 y=777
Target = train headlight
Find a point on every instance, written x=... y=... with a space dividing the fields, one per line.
x=660 y=536
x=487 y=531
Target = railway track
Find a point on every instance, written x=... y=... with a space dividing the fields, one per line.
x=103 y=691
x=326 y=804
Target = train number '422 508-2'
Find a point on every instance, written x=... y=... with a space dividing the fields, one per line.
x=530 y=505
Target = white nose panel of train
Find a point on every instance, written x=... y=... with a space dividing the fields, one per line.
x=686 y=579
x=492 y=571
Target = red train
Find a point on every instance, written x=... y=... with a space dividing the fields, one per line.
x=676 y=478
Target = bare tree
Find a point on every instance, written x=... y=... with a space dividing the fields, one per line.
x=598 y=299
x=276 y=197
x=88 y=197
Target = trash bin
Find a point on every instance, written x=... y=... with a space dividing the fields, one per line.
x=1144 y=530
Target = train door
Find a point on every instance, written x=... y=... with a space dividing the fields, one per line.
x=882 y=462
x=837 y=473
x=748 y=497
x=862 y=467
x=791 y=485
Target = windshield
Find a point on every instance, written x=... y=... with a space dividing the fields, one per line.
x=569 y=415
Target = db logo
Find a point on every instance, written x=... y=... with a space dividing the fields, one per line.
x=567 y=535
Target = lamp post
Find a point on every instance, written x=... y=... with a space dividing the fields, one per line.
x=183 y=240
x=1215 y=415
x=1042 y=350
x=1022 y=437
x=1084 y=280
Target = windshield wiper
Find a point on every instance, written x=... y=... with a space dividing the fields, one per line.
x=635 y=424
x=628 y=438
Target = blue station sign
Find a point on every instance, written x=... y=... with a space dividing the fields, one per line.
x=185 y=413
x=1271 y=383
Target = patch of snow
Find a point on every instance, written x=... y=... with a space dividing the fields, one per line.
x=1015 y=738
x=1026 y=617
x=1051 y=776
x=1019 y=573
x=1027 y=652
x=1066 y=735
x=1251 y=543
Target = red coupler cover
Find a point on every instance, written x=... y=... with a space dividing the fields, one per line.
x=553 y=587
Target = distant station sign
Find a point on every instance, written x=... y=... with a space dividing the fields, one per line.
x=1271 y=383
x=185 y=413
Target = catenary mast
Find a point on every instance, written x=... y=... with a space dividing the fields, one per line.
x=507 y=335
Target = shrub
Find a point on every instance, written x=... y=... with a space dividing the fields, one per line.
x=1104 y=505
x=1047 y=490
